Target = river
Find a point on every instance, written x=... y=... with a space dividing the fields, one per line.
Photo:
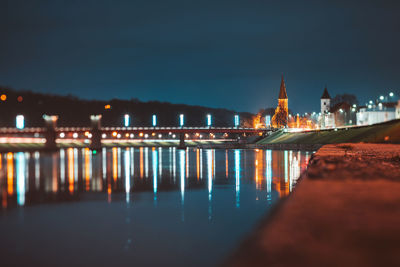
x=137 y=206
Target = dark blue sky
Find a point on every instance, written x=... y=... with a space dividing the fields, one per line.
x=224 y=53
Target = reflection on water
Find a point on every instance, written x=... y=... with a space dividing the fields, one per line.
x=72 y=171
x=137 y=200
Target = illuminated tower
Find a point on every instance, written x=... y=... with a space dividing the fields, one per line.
x=280 y=119
x=325 y=102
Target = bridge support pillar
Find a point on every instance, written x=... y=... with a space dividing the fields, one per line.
x=95 y=121
x=182 y=141
x=50 y=134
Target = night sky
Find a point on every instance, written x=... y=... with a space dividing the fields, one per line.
x=225 y=53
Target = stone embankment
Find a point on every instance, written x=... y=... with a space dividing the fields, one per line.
x=345 y=211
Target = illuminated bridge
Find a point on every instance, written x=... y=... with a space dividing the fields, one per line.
x=96 y=136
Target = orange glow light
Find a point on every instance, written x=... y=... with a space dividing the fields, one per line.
x=71 y=170
x=115 y=163
x=10 y=174
x=20 y=98
x=107 y=107
x=226 y=164
x=198 y=163
x=114 y=134
x=3 y=97
x=141 y=161
x=87 y=168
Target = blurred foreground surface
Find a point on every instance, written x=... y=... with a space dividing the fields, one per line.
x=344 y=212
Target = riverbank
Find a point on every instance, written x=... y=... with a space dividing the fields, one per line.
x=345 y=211
x=388 y=132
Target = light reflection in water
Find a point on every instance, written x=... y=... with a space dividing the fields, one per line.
x=209 y=171
x=132 y=152
x=210 y=181
x=198 y=163
x=160 y=161
x=146 y=161
x=10 y=174
x=71 y=173
x=104 y=163
x=141 y=162
x=237 y=178
x=182 y=173
x=170 y=160
x=182 y=181
x=37 y=170
x=201 y=164
x=174 y=163
x=226 y=165
x=113 y=171
x=119 y=160
x=54 y=184
x=87 y=168
x=62 y=166
x=76 y=165
x=213 y=161
x=155 y=168
x=268 y=174
x=258 y=169
x=127 y=156
x=115 y=163
x=20 y=172
x=187 y=162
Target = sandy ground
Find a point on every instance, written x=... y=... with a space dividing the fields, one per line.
x=344 y=212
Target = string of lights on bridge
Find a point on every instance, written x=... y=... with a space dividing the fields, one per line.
x=128 y=132
x=20 y=121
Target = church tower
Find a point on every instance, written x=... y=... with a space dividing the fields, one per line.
x=325 y=102
x=280 y=119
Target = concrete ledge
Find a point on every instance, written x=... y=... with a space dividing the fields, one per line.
x=344 y=212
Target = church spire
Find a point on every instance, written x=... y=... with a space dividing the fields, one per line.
x=325 y=95
x=282 y=92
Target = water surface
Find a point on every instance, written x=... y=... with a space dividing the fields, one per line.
x=137 y=206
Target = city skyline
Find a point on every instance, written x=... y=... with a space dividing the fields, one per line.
x=201 y=54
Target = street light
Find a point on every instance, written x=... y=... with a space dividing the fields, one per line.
x=154 y=120
x=208 y=120
x=20 y=122
x=181 y=120
x=127 y=120
x=237 y=120
x=391 y=94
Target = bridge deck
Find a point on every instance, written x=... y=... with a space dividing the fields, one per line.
x=176 y=130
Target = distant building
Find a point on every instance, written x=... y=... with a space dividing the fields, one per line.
x=341 y=114
x=372 y=114
x=326 y=119
x=325 y=102
x=280 y=118
x=398 y=110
